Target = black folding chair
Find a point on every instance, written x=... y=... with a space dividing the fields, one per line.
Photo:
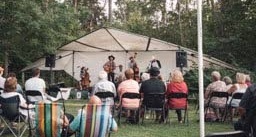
x=106 y=97
x=218 y=94
x=136 y=109
x=1 y=90
x=153 y=102
x=236 y=96
x=178 y=95
x=227 y=134
x=33 y=96
x=10 y=113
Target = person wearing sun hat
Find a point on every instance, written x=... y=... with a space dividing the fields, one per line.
x=2 y=79
x=110 y=67
x=153 y=85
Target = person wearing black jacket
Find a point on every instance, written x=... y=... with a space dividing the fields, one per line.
x=247 y=111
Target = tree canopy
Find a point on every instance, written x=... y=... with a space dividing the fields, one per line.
x=31 y=29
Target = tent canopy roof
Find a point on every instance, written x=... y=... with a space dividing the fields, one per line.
x=110 y=39
x=115 y=40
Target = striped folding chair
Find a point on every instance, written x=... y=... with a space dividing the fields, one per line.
x=95 y=121
x=48 y=119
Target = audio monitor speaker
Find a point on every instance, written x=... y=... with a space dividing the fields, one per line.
x=181 y=59
x=50 y=60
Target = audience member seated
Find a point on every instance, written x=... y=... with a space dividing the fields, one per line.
x=103 y=85
x=153 y=85
x=177 y=85
x=2 y=79
x=36 y=83
x=10 y=86
x=19 y=88
x=240 y=87
x=75 y=124
x=131 y=86
x=247 y=109
x=216 y=85
x=228 y=82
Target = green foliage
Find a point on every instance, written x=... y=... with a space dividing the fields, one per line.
x=28 y=32
x=191 y=76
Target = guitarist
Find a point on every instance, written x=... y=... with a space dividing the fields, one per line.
x=109 y=67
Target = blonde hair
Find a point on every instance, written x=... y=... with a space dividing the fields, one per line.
x=216 y=75
x=177 y=76
x=240 y=78
x=10 y=84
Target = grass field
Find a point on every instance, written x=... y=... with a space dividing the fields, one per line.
x=151 y=129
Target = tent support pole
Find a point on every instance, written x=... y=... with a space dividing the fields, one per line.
x=200 y=67
x=73 y=69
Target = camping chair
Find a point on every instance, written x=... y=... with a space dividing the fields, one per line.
x=95 y=121
x=153 y=102
x=235 y=97
x=178 y=95
x=129 y=95
x=1 y=90
x=33 y=96
x=48 y=119
x=217 y=94
x=227 y=134
x=10 y=114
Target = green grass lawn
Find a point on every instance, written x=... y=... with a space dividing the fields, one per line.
x=152 y=129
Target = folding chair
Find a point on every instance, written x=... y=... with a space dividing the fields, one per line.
x=10 y=113
x=48 y=119
x=218 y=94
x=106 y=97
x=227 y=134
x=33 y=96
x=153 y=102
x=129 y=95
x=95 y=121
x=236 y=97
x=180 y=96
x=1 y=90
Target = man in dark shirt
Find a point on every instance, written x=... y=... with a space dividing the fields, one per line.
x=247 y=110
x=153 y=85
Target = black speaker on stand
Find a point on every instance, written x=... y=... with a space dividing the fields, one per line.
x=181 y=59
x=50 y=60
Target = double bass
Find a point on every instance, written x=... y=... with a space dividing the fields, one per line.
x=85 y=79
x=135 y=67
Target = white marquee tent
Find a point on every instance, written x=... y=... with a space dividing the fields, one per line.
x=92 y=51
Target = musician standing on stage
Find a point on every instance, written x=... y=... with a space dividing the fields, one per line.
x=109 y=67
x=133 y=65
x=154 y=63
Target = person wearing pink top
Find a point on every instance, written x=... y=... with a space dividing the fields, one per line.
x=129 y=85
x=177 y=85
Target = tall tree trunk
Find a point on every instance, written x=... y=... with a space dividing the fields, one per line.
x=75 y=4
x=110 y=11
x=6 y=60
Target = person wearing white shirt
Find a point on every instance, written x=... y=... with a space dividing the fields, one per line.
x=2 y=79
x=36 y=83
